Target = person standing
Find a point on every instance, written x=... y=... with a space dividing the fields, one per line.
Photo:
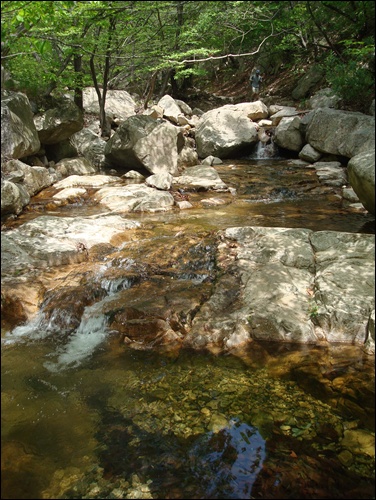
x=255 y=81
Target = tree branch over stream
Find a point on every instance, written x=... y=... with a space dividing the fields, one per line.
x=214 y=58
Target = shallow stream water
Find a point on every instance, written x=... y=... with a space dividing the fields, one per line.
x=84 y=416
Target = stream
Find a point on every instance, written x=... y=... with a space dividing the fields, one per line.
x=84 y=415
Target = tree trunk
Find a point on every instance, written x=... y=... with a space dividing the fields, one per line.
x=78 y=94
x=169 y=76
x=151 y=89
x=165 y=83
x=174 y=84
x=104 y=123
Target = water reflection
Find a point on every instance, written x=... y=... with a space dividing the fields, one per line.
x=226 y=462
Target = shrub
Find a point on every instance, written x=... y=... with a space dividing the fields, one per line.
x=352 y=77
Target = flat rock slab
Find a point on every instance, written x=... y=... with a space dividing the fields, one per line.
x=53 y=241
x=86 y=181
x=289 y=285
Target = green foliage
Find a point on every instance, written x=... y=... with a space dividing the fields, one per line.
x=126 y=42
x=313 y=311
x=29 y=53
x=351 y=77
x=27 y=77
x=182 y=74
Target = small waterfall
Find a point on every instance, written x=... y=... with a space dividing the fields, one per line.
x=76 y=342
x=36 y=329
x=88 y=336
x=265 y=147
x=80 y=344
x=264 y=151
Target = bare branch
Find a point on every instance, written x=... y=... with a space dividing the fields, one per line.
x=215 y=58
x=17 y=54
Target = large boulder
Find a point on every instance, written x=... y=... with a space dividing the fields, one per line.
x=89 y=145
x=142 y=142
x=288 y=135
x=34 y=179
x=19 y=136
x=325 y=98
x=229 y=130
x=14 y=198
x=342 y=133
x=281 y=112
x=171 y=110
x=59 y=123
x=361 y=175
x=119 y=104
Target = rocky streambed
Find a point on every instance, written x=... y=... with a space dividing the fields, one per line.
x=218 y=351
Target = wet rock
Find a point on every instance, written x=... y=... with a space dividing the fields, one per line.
x=331 y=173
x=19 y=300
x=217 y=422
x=86 y=181
x=346 y=458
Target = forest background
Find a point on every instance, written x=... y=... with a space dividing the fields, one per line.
x=186 y=48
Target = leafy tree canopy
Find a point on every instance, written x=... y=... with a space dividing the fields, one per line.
x=129 y=44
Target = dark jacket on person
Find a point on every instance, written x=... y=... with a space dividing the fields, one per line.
x=255 y=80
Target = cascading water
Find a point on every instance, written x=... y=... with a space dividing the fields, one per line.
x=81 y=343
x=36 y=329
x=265 y=151
x=88 y=336
x=90 y=333
x=265 y=147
